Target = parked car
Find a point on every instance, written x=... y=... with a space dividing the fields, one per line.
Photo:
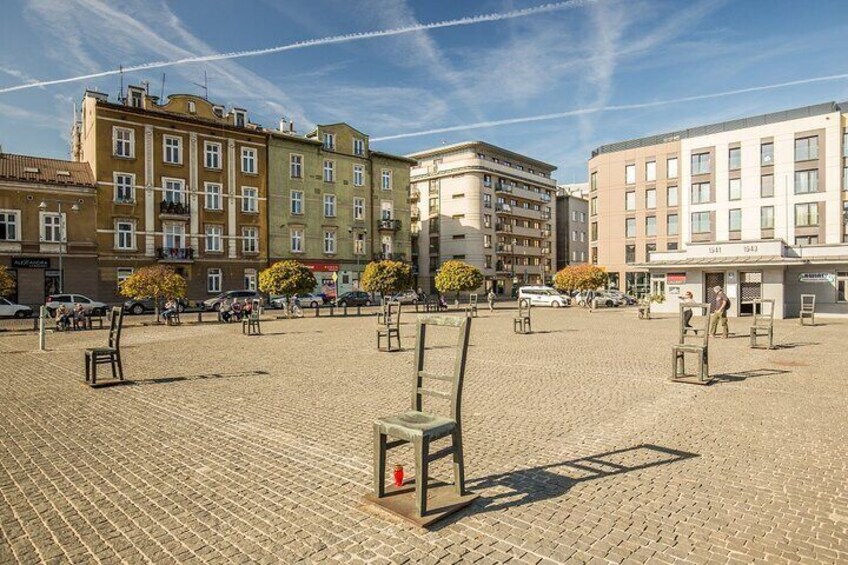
x=306 y=300
x=623 y=299
x=9 y=309
x=542 y=296
x=604 y=299
x=354 y=298
x=215 y=303
x=146 y=305
x=70 y=300
x=406 y=297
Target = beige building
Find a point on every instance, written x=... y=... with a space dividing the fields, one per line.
x=485 y=205
x=180 y=182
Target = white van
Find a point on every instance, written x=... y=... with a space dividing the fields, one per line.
x=542 y=296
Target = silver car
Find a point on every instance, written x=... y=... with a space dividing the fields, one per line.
x=71 y=300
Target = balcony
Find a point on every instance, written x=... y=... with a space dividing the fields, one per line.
x=503 y=208
x=501 y=187
x=175 y=254
x=414 y=194
x=171 y=208
x=504 y=248
x=502 y=227
x=414 y=213
x=389 y=257
x=389 y=225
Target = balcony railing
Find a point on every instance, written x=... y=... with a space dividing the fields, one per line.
x=390 y=256
x=414 y=194
x=503 y=188
x=390 y=225
x=174 y=208
x=503 y=208
x=175 y=253
x=503 y=227
x=504 y=248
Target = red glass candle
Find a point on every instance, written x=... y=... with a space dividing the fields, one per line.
x=398 y=474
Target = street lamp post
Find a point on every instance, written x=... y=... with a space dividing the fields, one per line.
x=358 y=255
x=75 y=207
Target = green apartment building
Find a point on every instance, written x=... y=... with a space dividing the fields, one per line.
x=335 y=205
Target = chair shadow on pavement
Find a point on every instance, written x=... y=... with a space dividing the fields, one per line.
x=525 y=486
x=744 y=375
x=796 y=344
x=168 y=380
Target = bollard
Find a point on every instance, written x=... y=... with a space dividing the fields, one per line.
x=345 y=309
x=331 y=311
x=316 y=311
x=358 y=310
x=42 y=315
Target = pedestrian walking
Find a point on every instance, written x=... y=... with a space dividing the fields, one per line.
x=687 y=298
x=491 y=299
x=721 y=303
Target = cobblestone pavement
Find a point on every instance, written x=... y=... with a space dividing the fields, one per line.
x=258 y=449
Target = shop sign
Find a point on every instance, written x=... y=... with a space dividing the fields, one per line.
x=816 y=277
x=323 y=267
x=676 y=278
x=30 y=263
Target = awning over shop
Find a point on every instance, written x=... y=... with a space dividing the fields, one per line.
x=735 y=261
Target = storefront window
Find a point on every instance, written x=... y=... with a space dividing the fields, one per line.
x=842 y=286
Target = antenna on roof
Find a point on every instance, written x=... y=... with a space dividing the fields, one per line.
x=121 y=91
x=204 y=86
x=162 y=92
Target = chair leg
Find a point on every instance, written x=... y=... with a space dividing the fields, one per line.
x=113 y=363
x=458 y=463
x=120 y=367
x=93 y=369
x=87 y=366
x=422 y=448
x=379 y=463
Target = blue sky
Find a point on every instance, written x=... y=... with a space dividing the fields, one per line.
x=588 y=56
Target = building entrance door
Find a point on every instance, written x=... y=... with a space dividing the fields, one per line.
x=750 y=289
x=712 y=280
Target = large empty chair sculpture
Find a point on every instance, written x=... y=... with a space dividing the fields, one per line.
x=432 y=500
x=388 y=325
x=471 y=309
x=763 y=323
x=110 y=354
x=695 y=342
x=808 y=309
x=250 y=324
x=521 y=322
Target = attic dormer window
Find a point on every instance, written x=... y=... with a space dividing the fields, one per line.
x=192 y=107
x=63 y=173
x=135 y=98
x=329 y=141
x=241 y=118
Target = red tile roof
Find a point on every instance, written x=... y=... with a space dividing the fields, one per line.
x=25 y=168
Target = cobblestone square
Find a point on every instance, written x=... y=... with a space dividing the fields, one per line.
x=228 y=448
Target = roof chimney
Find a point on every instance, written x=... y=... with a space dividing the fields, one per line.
x=284 y=124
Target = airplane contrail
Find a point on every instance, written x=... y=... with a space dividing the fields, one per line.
x=471 y=20
x=613 y=108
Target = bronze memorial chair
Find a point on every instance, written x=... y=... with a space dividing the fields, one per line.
x=388 y=325
x=250 y=323
x=521 y=322
x=808 y=309
x=471 y=308
x=763 y=323
x=110 y=354
x=697 y=345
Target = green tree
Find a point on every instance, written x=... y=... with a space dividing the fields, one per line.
x=7 y=282
x=158 y=282
x=580 y=277
x=458 y=276
x=287 y=278
x=387 y=277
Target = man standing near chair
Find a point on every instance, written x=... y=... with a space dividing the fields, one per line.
x=721 y=303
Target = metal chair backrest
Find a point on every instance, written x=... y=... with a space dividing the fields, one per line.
x=523 y=307
x=254 y=309
x=419 y=374
x=702 y=334
x=808 y=303
x=472 y=299
x=390 y=314
x=115 y=325
x=763 y=313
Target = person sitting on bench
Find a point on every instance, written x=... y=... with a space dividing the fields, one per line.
x=170 y=309
x=79 y=316
x=63 y=318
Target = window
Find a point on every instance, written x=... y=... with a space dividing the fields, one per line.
x=212 y=155
x=248 y=160
x=593 y=231
x=358 y=208
x=123 y=142
x=124 y=188
x=593 y=181
x=649 y=248
x=671 y=167
x=767 y=186
x=630 y=201
x=241 y=118
x=672 y=246
x=296 y=166
x=213 y=239
x=296 y=240
x=630 y=227
x=123 y=274
x=386 y=245
x=574 y=215
x=651 y=171
x=250 y=240
x=358 y=175
x=9 y=221
x=386 y=183
x=806 y=215
x=573 y=235
x=593 y=206
x=250 y=279
x=174 y=190
x=487 y=240
x=671 y=224
x=213 y=280
x=386 y=210
x=297 y=202
x=249 y=199
x=329 y=171
x=807 y=240
x=487 y=180
x=630 y=174
x=359 y=244
x=192 y=107
x=735 y=219
x=806 y=181
x=807 y=148
x=671 y=196
x=358 y=146
x=734 y=159
x=842 y=287
x=700 y=222
x=734 y=191
x=487 y=220
x=629 y=254
x=487 y=200
x=173 y=150
x=487 y=261
x=700 y=164
x=329 y=205
x=767 y=217
x=845 y=177
x=329 y=242
x=651 y=198
x=700 y=192
x=124 y=235
x=767 y=154
x=51 y=228
x=174 y=235
x=212 y=195
x=651 y=226
x=329 y=141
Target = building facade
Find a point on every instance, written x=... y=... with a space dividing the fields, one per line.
x=572 y=225
x=756 y=205
x=487 y=206
x=47 y=227
x=335 y=204
x=182 y=183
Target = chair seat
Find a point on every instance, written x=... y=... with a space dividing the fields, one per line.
x=688 y=347
x=101 y=350
x=412 y=424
